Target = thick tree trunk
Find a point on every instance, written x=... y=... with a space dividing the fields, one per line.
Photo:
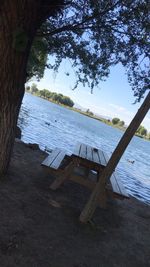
x=99 y=190
x=17 y=29
x=19 y=21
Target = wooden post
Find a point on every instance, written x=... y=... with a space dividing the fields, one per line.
x=99 y=190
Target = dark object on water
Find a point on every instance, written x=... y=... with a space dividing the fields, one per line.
x=131 y=161
x=47 y=123
x=95 y=149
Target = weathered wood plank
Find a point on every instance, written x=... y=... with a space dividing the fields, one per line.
x=101 y=158
x=116 y=183
x=105 y=156
x=121 y=186
x=58 y=160
x=95 y=155
x=89 y=155
x=113 y=180
x=77 y=149
x=83 y=151
x=48 y=161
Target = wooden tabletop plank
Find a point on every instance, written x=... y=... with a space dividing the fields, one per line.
x=105 y=156
x=83 y=151
x=102 y=158
x=95 y=155
x=77 y=149
x=89 y=155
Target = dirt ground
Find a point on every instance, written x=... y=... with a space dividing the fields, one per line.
x=40 y=228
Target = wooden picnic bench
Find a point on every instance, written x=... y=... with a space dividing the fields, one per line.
x=60 y=164
x=84 y=166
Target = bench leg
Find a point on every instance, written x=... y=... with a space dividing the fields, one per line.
x=57 y=182
x=102 y=201
x=62 y=177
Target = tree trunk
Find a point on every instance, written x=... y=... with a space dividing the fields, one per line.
x=8 y=119
x=17 y=29
x=99 y=190
x=19 y=21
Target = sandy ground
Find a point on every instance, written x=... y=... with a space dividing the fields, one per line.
x=40 y=228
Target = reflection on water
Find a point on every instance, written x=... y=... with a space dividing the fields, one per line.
x=51 y=126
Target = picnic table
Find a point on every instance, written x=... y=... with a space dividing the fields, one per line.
x=84 y=166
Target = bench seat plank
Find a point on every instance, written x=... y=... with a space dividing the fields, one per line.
x=54 y=159
x=58 y=160
x=49 y=160
x=115 y=181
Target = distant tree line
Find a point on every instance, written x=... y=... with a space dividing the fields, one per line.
x=141 y=131
x=52 y=96
x=89 y=112
x=118 y=122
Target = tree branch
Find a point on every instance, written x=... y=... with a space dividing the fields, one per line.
x=72 y=27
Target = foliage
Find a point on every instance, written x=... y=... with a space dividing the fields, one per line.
x=58 y=98
x=121 y=123
x=148 y=136
x=34 y=88
x=37 y=59
x=27 y=88
x=142 y=130
x=98 y=36
x=118 y=122
x=115 y=121
x=90 y=113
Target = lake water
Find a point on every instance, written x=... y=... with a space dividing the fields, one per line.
x=51 y=125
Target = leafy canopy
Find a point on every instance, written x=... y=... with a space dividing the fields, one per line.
x=38 y=59
x=96 y=35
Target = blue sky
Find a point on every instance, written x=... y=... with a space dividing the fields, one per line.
x=113 y=98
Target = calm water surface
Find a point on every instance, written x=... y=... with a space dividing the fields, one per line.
x=51 y=126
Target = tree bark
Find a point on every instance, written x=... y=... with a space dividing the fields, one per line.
x=99 y=190
x=12 y=77
x=19 y=21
